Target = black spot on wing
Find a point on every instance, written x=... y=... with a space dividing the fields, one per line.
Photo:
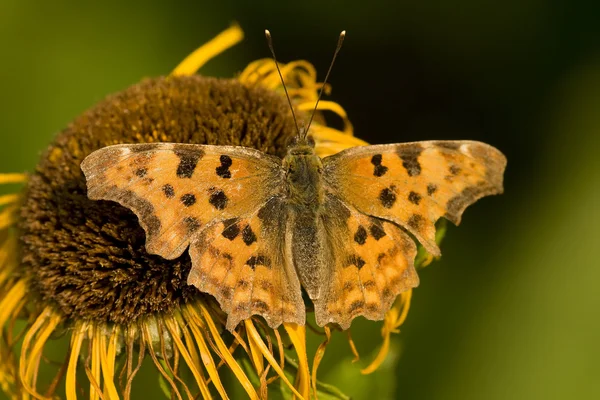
x=141 y=172
x=226 y=293
x=386 y=293
x=356 y=306
x=409 y=154
x=356 y=261
x=376 y=230
x=223 y=169
x=243 y=284
x=168 y=191
x=188 y=199
x=260 y=306
x=248 y=235
x=415 y=221
x=188 y=159
x=369 y=284
x=360 y=236
x=192 y=224
x=454 y=169
x=232 y=229
x=388 y=197
x=253 y=261
x=414 y=198
x=218 y=199
x=431 y=189
x=379 y=169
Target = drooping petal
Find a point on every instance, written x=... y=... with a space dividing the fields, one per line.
x=192 y=63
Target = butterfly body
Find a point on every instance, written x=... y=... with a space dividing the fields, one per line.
x=304 y=199
x=259 y=228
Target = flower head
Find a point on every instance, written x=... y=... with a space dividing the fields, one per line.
x=75 y=267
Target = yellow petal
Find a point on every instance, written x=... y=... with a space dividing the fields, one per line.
x=224 y=352
x=185 y=353
x=76 y=341
x=318 y=357
x=10 y=301
x=325 y=105
x=94 y=374
x=192 y=63
x=149 y=341
x=8 y=216
x=12 y=178
x=394 y=318
x=297 y=334
x=207 y=359
x=256 y=355
x=107 y=361
x=253 y=333
x=8 y=199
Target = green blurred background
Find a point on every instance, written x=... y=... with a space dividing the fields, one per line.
x=511 y=310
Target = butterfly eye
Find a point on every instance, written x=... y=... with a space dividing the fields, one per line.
x=292 y=141
x=311 y=141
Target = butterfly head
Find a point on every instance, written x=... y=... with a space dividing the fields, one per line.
x=301 y=145
x=303 y=169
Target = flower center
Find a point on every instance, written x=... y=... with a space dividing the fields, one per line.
x=88 y=257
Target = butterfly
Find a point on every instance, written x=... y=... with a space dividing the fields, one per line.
x=260 y=228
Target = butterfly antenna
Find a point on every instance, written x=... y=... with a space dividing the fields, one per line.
x=270 y=43
x=337 y=50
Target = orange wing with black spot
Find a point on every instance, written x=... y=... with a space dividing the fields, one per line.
x=242 y=262
x=414 y=184
x=177 y=189
x=224 y=203
x=370 y=262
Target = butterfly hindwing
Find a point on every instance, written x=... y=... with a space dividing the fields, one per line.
x=242 y=263
x=370 y=262
x=176 y=189
x=414 y=184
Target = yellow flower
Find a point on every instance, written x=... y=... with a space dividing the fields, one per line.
x=75 y=267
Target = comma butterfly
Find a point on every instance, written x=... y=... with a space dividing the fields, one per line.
x=259 y=227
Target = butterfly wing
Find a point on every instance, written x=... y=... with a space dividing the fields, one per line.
x=414 y=184
x=176 y=189
x=371 y=262
x=242 y=262
x=224 y=203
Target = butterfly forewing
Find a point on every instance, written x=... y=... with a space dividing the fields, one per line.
x=176 y=189
x=414 y=184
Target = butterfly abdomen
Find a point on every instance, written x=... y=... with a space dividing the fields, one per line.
x=307 y=248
